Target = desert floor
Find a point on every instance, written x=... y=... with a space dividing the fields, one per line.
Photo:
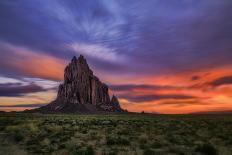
x=115 y=134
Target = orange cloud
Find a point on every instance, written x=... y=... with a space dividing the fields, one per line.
x=206 y=96
x=33 y=63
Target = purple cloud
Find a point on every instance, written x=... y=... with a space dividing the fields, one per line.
x=17 y=89
x=226 y=80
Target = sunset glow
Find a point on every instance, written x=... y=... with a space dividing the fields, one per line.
x=155 y=58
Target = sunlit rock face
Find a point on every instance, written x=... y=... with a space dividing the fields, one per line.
x=82 y=91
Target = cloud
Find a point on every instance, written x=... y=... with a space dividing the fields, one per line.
x=98 y=51
x=122 y=30
x=130 y=87
x=195 y=77
x=9 y=80
x=226 y=80
x=46 y=84
x=153 y=97
x=23 y=105
x=17 y=89
x=181 y=103
x=123 y=43
x=26 y=62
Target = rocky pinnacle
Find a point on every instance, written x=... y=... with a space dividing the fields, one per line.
x=82 y=91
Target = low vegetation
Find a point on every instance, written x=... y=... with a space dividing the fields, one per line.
x=115 y=134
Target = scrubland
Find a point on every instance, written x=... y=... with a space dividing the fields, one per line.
x=115 y=134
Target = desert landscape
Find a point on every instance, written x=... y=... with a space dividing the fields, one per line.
x=115 y=77
x=83 y=120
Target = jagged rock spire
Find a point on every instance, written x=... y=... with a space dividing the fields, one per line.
x=81 y=92
x=82 y=87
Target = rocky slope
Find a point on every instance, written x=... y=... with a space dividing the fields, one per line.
x=81 y=92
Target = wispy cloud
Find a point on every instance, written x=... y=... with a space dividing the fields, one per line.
x=181 y=103
x=130 y=87
x=148 y=43
x=153 y=97
x=98 y=51
x=46 y=84
x=16 y=89
x=23 y=105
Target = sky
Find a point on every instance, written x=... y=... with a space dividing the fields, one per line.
x=155 y=55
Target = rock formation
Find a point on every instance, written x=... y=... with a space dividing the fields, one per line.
x=81 y=92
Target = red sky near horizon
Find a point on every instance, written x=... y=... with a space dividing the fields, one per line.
x=156 y=56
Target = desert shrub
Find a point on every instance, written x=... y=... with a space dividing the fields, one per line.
x=110 y=129
x=112 y=152
x=18 y=136
x=143 y=146
x=54 y=129
x=106 y=122
x=83 y=151
x=89 y=151
x=12 y=128
x=17 y=132
x=45 y=142
x=207 y=149
x=32 y=127
x=84 y=131
x=32 y=142
x=176 y=150
x=110 y=140
x=124 y=131
x=93 y=135
x=143 y=139
x=156 y=144
x=148 y=152
x=71 y=145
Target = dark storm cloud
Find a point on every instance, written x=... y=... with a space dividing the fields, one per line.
x=153 y=97
x=222 y=81
x=17 y=89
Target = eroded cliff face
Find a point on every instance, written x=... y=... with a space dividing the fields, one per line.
x=82 y=91
x=81 y=86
